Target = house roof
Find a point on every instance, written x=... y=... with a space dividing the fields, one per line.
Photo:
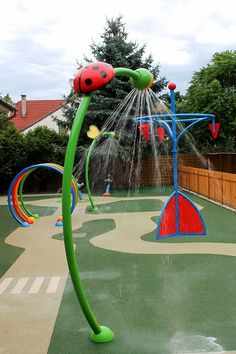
x=36 y=111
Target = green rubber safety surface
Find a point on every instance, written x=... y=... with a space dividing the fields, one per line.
x=142 y=192
x=129 y=206
x=153 y=303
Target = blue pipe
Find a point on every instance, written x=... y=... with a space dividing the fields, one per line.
x=169 y=115
x=175 y=160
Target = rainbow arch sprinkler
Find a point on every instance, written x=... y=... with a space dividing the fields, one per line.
x=179 y=216
x=16 y=204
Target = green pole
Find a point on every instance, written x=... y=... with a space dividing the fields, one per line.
x=100 y=333
x=94 y=209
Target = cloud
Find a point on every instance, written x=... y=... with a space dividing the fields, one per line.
x=34 y=70
x=41 y=40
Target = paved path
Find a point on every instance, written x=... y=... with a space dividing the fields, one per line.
x=31 y=290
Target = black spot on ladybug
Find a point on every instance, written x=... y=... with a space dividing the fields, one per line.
x=103 y=74
x=88 y=82
x=95 y=67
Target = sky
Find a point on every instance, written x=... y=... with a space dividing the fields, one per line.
x=41 y=41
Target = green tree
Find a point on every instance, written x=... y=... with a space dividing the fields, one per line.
x=45 y=145
x=212 y=90
x=12 y=154
x=117 y=50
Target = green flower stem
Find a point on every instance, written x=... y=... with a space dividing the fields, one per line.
x=66 y=215
x=87 y=173
x=102 y=133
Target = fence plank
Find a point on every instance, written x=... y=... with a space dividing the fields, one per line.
x=215 y=185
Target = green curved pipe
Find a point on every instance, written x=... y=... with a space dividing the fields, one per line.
x=141 y=79
x=100 y=333
x=67 y=225
x=94 y=208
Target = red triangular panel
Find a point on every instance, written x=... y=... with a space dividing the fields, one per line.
x=217 y=127
x=190 y=221
x=168 y=221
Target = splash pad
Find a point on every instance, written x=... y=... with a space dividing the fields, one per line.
x=88 y=79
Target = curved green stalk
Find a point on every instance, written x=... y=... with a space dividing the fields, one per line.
x=94 y=208
x=66 y=215
x=102 y=133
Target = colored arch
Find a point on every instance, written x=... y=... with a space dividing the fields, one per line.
x=18 y=209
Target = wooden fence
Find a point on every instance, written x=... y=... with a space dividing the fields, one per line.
x=217 y=186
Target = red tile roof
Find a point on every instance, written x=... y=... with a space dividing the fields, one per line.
x=36 y=111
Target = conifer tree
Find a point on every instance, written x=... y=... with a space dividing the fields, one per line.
x=116 y=49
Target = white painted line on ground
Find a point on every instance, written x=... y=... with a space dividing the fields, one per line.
x=19 y=286
x=53 y=285
x=35 y=287
x=4 y=284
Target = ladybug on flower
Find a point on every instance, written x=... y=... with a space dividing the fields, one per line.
x=93 y=76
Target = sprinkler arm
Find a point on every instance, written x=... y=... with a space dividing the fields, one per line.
x=108 y=134
x=141 y=79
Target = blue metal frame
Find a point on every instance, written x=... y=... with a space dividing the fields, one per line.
x=33 y=167
x=169 y=122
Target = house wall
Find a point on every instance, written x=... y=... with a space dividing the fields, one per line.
x=48 y=122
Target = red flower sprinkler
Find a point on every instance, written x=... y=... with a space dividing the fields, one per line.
x=91 y=77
